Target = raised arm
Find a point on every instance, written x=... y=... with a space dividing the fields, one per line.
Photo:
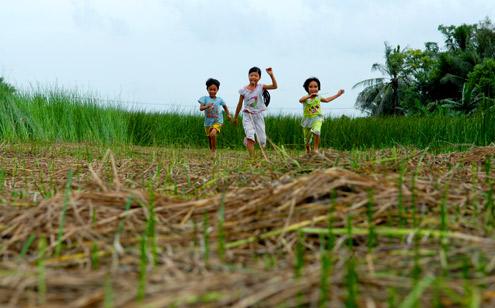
x=238 y=109
x=274 y=84
x=331 y=98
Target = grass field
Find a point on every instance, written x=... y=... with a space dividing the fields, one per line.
x=62 y=116
x=89 y=225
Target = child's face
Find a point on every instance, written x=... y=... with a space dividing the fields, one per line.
x=212 y=90
x=313 y=87
x=254 y=77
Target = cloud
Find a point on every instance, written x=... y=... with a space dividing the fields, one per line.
x=243 y=22
x=87 y=17
x=164 y=50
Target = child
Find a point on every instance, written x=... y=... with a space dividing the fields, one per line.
x=213 y=115
x=313 y=117
x=252 y=96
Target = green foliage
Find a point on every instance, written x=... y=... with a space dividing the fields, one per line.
x=449 y=73
x=458 y=38
x=434 y=80
x=381 y=95
x=482 y=79
x=485 y=39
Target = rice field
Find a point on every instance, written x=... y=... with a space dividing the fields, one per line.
x=85 y=225
x=65 y=116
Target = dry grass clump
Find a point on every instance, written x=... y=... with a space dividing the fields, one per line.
x=363 y=227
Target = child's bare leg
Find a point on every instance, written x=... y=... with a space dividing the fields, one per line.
x=316 y=142
x=214 y=143
x=209 y=142
x=213 y=140
x=250 y=147
x=307 y=139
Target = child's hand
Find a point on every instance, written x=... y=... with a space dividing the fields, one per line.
x=269 y=71
x=341 y=91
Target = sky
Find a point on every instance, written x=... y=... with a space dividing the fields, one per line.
x=157 y=54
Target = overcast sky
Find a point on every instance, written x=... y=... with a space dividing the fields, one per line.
x=159 y=53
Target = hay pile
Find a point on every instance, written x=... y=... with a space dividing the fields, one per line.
x=259 y=226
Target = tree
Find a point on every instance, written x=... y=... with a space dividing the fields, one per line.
x=466 y=47
x=380 y=96
x=485 y=39
x=458 y=38
x=457 y=78
x=481 y=80
x=418 y=66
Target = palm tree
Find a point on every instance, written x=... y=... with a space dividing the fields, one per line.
x=381 y=95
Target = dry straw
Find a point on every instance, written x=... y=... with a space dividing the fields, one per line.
x=259 y=219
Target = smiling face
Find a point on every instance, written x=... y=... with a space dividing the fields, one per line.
x=212 y=90
x=254 y=77
x=313 y=87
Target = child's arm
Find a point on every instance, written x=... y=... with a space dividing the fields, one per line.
x=226 y=109
x=306 y=97
x=331 y=98
x=203 y=107
x=274 y=84
x=238 y=109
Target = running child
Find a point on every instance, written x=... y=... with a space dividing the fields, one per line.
x=313 y=117
x=213 y=114
x=255 y=98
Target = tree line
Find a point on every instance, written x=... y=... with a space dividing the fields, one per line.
x=458 y=78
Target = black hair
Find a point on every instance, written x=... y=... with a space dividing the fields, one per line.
x=255 y=69
x=212 y=81
x=308 y=81
x=266 y=94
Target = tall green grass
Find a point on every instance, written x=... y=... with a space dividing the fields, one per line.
x=60 y=116
x=64 y=116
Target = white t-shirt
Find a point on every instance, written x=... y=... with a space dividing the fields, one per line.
x=253 y=99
